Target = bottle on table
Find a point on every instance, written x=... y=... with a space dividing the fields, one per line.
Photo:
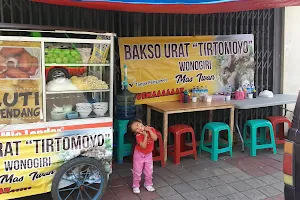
x=229 y=89
x=206 y=90
x=254 y=93
x=240 y=88
x=252 y=88
x=197 y=91
x=186 y=96
x=194 y=91
x=201 y=90
x=248 y=89
x=194 y=95
x=245 y=91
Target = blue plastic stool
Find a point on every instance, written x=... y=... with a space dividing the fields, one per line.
x=123 y=146
x=216 y=127
x=254 y=143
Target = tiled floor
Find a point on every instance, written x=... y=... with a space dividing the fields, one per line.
x=238 y=178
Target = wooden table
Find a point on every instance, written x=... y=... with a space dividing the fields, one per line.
x=167 y=108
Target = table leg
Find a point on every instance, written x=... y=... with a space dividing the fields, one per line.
x=210 y=118
x=236 y=118
x=148 y=116
x=231 y=123
x=165 y=132
x=285 y=110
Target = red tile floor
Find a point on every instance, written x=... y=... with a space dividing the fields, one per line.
x=238 y=178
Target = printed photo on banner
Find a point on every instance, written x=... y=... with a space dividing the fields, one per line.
x=159 y=68
x=21 y=84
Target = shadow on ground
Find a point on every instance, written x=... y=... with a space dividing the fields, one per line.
x=238 y=178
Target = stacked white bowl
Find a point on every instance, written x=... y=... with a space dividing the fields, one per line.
x=84 y=109
x=100 y=108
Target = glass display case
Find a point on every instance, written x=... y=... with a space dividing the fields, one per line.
x=56 y=79
x=77 y=80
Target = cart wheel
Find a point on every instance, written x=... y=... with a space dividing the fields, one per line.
x=58 y=73
x=82 y=178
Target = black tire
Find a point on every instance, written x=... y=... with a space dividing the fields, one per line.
x=71 y=164
x=53 y=73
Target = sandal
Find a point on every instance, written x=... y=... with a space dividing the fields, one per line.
x=150 y=188
x=136 y=190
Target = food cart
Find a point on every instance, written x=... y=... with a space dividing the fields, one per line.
x=56 y=114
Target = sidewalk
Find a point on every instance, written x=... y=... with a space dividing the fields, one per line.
x=239 y=178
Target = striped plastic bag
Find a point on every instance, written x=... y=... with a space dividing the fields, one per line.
x=100 y=51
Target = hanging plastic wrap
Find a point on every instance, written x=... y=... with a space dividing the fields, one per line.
x=100 y=52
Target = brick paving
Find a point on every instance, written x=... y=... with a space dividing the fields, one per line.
x=238 y=178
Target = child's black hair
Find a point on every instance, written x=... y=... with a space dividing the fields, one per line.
x=130 y=133
x=129 y=129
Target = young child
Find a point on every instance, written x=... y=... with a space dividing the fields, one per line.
x=142 y=156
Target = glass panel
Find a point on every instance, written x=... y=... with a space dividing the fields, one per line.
x=76 y=54
x=77 y=77
x=77 y=106
x=20 y=81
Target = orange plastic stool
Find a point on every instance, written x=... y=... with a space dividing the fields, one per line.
x=279 y=120
x=180 y=149
x=158 y=155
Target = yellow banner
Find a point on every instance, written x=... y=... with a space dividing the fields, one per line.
x=28 y=163
x=161 y=67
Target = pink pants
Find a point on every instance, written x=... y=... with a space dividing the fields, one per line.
x=142 y=163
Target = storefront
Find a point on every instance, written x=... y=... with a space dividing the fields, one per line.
x=265 y=25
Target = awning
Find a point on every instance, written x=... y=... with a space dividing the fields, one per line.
x=176 y=6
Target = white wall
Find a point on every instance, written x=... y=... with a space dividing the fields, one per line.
x=291 y=64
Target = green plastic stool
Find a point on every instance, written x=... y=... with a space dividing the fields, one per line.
x=123 y=146
x=254 y=143
x=216 y=127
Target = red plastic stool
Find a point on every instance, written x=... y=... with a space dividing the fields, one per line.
x=279 y=120
x=180 y=149
x=158 y=155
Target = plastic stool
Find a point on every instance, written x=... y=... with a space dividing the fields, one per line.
x=160 y=157
x=263 y=143
x=216 y=127
x=180 y=149
x=279 y=120
x=123 y=146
